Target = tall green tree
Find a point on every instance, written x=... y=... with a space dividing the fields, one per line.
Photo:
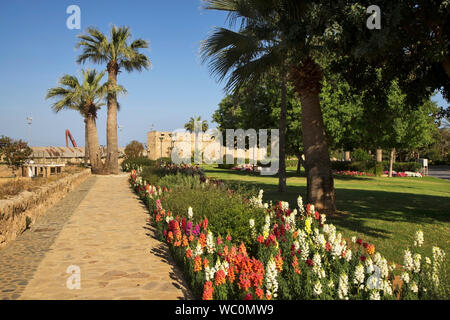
x=258 y=48
x=118 y=52
x=87 y=98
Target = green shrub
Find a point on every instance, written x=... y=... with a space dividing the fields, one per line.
x=133 y=163
x=360 y=155
x=227 y=212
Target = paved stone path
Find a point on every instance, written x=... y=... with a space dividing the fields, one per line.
x=442 y=172
x=102 y=228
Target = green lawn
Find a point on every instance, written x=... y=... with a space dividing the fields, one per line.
x=383 y=211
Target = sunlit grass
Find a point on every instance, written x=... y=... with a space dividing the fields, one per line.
x=383 y=211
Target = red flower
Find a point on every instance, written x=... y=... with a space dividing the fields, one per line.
x=365 y=245
x=359 y=241
x=260 y=239
x=309 y=262
x=363 y=258
x=316 y=215
x=327 y=246
x=248 y=296
x=229 y=238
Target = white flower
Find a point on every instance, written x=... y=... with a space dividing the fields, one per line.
x=419 y=238
x=252 y=223
x=284 y=205
x=312 y=209
x=417 y=258
x=198 y=250
x=300 y=205
x=359 y=275
x=169 y=218
x=374 y=295
x=427 y=260
x=405 y=277
x=348 y=255
x=407 y=260
x=331 y=284
x=318 y=288
x=271 y=278
x=210 y=245
x=343 y=286
x=190 y=213
x=387 y=287
x=414 y=287
x=354 y=239
x=323 y=218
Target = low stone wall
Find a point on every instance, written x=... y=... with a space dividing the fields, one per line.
x=15 y=212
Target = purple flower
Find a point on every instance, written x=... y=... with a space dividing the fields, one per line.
x=188 y=228
x=197 y=230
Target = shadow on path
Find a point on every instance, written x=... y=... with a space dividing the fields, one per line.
x=20 y=259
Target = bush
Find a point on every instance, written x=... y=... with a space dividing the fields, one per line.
x=134 y=163
x=360 y=155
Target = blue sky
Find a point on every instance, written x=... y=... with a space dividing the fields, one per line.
x=40 y=48
x=37 y=48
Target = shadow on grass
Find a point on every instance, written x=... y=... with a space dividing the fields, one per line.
x=355 y=207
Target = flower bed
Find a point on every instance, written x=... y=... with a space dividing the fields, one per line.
x=352 y=173
x=292 y=254
x=405 y=174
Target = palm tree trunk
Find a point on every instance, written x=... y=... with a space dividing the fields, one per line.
x=86 y=146
x=320 y=185
x=94 y=150
x=112 y=157
x=282 y=152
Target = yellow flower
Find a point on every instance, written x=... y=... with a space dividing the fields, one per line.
x=308 y=226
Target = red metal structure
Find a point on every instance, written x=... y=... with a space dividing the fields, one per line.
x=69 y=135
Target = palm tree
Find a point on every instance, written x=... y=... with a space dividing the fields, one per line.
x=269 y=37
x=86 y=98
x=118 y=54
x=258 y=49
x=190 y=125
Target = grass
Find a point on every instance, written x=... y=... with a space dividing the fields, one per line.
x=384 y=211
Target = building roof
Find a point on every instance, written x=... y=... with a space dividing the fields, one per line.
x=63 y=152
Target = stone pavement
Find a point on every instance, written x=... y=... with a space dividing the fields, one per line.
x=103 y=229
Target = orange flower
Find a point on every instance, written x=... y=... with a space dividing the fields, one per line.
x=208 y=291
x=370 y=249
x=170 y=236
x=205 y=263
x=279 y=262
x=295 y=235
x=268 y=296
x=202 y=240
x=230 y=274
x=188 y=253
x=197 y=264
x=191 y=238
x=220 y=277
x=295 y=266
x=185 y=241
x=242 y=249
x=259 y=293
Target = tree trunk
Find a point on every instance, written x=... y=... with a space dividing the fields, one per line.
x=94 y=150
x=282 y=152
x=347 y=156
x=86 y=146
x=379 y=155
x=299 y=162
x=391 y=161
x=112 y=157
x=320 y=185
